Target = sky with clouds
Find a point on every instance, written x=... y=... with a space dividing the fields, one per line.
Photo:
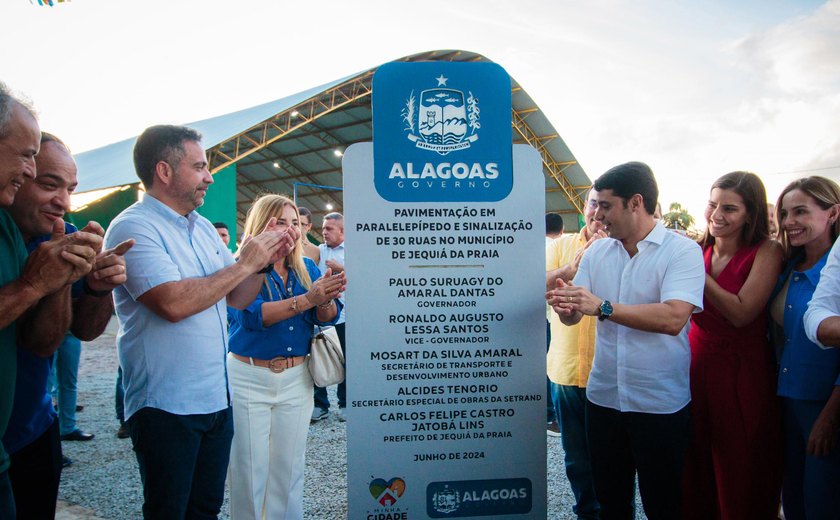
x=694 y=88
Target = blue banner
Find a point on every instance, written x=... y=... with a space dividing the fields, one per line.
x=442 y=132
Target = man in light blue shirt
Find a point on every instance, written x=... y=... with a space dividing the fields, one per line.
x=332 y=257
x=172 y=339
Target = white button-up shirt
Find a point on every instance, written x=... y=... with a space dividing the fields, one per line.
x=332 y=253
x=826 y=300
x=633 y=370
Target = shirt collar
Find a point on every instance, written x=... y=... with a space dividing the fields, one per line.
x=582 y=236
x=656 y=236
x=813 y=274
x=165 y=211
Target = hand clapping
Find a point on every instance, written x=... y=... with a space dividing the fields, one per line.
x=62 y=260
x=269 y=246
x=327 y=288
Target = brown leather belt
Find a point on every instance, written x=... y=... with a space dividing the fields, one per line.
x=276 y=365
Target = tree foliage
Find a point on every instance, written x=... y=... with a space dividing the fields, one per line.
x=677 y=218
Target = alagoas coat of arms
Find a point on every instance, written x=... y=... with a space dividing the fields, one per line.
x=444 y=120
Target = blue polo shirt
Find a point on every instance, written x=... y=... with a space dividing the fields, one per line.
x=175 y=367
x=33 y=412
x=806 y=371
x=248 y=336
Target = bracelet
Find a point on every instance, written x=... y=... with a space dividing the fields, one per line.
x=326 y=305
x=267 y=269
x=294 y=305
x=91 y=292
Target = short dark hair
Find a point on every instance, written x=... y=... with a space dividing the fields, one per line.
x=628 y=179
x=220 y=225
x=160 y=143
x=304 y=211
x=553 y=224
x=47 y=137
x=751 y=190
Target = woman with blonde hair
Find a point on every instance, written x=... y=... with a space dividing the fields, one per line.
x=271 y=389
x=808 y=213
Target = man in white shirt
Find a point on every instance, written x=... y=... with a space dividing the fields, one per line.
x=331 y=256
x=643 y=285
x=822 y=320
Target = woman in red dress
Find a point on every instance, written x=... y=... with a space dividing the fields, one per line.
x=733 y=466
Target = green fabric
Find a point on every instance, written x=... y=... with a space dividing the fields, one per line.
x=220 y=201
x=105 y=209
x=12 y=258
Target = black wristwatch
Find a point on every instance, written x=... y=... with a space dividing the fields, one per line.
x=605 y=310
x=267 y=269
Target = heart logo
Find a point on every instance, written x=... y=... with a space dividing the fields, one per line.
x=388 y=491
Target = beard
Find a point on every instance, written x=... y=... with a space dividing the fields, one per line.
x=195 y=197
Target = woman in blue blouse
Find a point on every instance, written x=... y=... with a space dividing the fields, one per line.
x=809 y=377
x=271 y=389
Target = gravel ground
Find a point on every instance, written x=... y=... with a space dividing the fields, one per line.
x=104 y=478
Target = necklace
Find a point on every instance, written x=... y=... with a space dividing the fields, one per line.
x=278 y=287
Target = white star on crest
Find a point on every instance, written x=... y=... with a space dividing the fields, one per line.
x=442 y=80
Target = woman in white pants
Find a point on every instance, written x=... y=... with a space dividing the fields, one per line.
x=271 y=388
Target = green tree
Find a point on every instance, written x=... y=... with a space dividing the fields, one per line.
x=677 y=217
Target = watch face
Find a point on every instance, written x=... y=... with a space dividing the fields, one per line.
x=606 y=310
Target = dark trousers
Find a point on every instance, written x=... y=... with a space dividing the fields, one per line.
x=322 y=401
x=812 y=484
x=35 y=474
x=624 y=443
x=183 y=461
x=550 y=411
x=7 y=498
x=571 y=411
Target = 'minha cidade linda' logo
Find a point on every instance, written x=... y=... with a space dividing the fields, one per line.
x=442 y=132
x=387 y=494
